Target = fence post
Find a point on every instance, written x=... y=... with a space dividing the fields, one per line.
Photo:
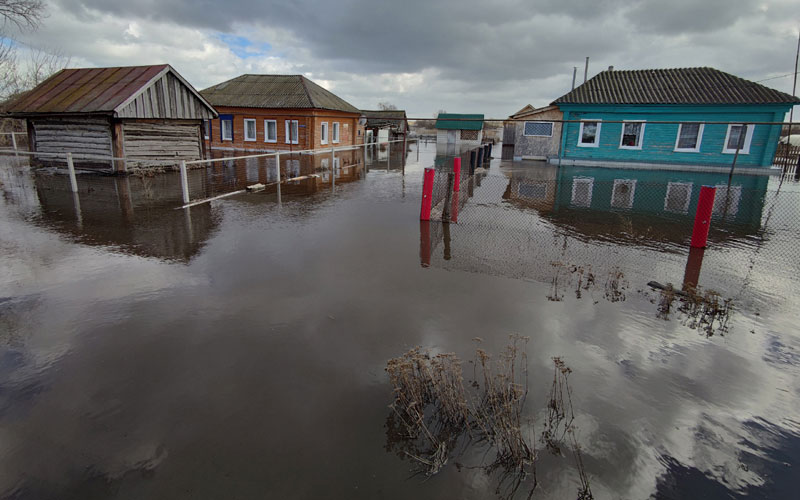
x=448 y=197
x=73 y=182
x=472 y=156
x=427 y=194
x=184 y=183
x=702 y=218
x=479 y=161
x=278 y=172
x=425 y=243
x=417 y=149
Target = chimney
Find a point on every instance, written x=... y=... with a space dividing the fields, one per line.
x=611 y=68
x=574 y=73
x=586 y=70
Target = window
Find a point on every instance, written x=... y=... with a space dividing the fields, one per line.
x=206 y=129
x=335 y=132
x=589 y=134
x=469 y=135
x=323 y=136
x=538 y=129
x=622 y=194
x=249 y=129
x=689 y=137
x=678 y=196
x=226 y=127
x=291 y=131
x=726 y=203
x=738 y=137
x=270 y=131
x=632 y=135
x=582 y=191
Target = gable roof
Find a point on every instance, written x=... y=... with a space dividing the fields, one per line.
x=672 y=86
x=275 y=91
x=377 y=118
x=94 y=90
x=457 y=121
x=529 y=111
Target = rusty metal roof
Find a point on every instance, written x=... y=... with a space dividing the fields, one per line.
x=85 y=90
x=673 y=86
x=275 y=91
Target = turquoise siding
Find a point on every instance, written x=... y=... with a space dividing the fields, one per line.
x=659 y=139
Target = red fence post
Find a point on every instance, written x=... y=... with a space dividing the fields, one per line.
x=457 y=171
x=427 y=194
x=702 y=219
x=425 y=243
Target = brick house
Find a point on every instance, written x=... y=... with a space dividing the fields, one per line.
x=279 y=113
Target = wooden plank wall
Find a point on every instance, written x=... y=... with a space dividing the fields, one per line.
x=167 y=97
x=162 y=141
x=79 y=136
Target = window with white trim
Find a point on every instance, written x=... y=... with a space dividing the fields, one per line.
x=678 y=196
x=582 y=188
x=689 y=137
x=226 y=129
x=249 y=129
x=538 y=129
x=632 y=135
x=738 y=136
x=623 y=192
x=291 y=131
x=726 y=203
x=335 y=136
x=270 y=131
x=589 y=134
x=323 y=136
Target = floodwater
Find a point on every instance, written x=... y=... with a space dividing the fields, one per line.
x=237 y=349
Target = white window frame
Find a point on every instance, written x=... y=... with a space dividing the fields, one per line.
x=323 y=133
x=685 y=208
x=335 y=133
x=748 y=137
x=617 y=182
x=288 y=125
x=525 y=125
x=266 y=130
x=255 y=130
x=696 y=149
x=582 y=180
x=641 y=134
x=222 y=135
x=596 y=142
x=206 y=129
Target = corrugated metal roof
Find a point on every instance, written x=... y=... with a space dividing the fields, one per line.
x=380 y=118
x=275 y=91
x=86 y=90
x=456 y=121
x=673 y=86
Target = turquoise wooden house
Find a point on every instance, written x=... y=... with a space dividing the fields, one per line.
x=616 y=115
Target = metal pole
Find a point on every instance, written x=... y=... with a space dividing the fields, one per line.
x=388 y=154
x=14 y=142
x=184 y=183
x=739 y=142
x=574 y=74
x=417 y=149
x=278 y=169
x=333 y=167
x=72 y=180
x=586 y=70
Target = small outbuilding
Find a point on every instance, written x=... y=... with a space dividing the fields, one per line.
x=459 y=129
x=148 y=115
x=385 y=124
x=529 y=134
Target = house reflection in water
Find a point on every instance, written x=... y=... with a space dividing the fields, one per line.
x=135 y=215
x=641 y=206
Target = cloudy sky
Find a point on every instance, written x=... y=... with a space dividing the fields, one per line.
x=425 y=55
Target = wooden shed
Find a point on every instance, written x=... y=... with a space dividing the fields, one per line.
x=149 y=115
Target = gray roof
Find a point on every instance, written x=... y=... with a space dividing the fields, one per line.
x=377 y=118
x=673 y=86
x=275 y=91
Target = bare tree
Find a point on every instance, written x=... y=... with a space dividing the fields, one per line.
x=386 y=106
x=24 y=14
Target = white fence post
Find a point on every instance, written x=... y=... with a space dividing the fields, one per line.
x=278 y=168
x=184 y=183
x=71 y=168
